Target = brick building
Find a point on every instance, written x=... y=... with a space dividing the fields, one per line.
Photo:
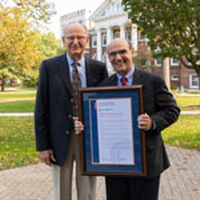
x=110 y=21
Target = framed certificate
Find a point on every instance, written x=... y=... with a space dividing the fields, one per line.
x=112 y=143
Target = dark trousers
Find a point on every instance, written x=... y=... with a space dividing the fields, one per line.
x=132 y=188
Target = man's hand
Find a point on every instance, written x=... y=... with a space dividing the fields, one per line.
x=78 y=125
x=144 y=122
x=46 y=156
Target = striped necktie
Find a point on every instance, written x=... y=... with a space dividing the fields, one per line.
x=76 y=84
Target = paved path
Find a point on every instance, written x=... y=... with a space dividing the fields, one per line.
x=195 y=112
x=180 y=182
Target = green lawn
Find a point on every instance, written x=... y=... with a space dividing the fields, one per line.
x=184 y=133
x=17 y=106
x=184 y=101
x=17 y=143
x=16 y=95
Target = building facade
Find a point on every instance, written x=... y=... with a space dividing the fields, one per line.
x=110 y=21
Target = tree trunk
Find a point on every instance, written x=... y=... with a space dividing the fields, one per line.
x=2 y=85
x=166 y=72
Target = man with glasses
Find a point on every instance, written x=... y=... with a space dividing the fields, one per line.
x=56 y=105
x=160 y=111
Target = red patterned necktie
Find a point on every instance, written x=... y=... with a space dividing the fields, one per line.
x=76 y=84
x=124 y=80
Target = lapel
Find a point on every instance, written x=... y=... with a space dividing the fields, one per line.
x=138 y=77
x=88 y=70
x=112 y=80
x=63 y=69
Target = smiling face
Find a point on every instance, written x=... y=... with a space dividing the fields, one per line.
x=121 y=56
x=75 y=40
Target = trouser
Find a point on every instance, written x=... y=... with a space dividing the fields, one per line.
x=62 y=175
x=132 y=188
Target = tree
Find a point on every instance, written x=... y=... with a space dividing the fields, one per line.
x=17 y=50
x=37 y=10
x=143 y=59
x=48 y=46
x=172 y=26
x=19 y=53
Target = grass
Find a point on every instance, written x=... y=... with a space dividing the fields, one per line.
x=16 y=95
x=184 y=133
x=184 y=101
x=17 y=143
x=17 y=106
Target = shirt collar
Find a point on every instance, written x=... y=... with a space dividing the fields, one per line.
x=71 y=61
x=129 y=75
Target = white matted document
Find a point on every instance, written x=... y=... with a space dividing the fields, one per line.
x=115 y=131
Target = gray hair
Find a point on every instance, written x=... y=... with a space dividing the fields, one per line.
x=66 y=26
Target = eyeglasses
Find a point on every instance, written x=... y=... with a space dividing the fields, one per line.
x=72 y=38
x=121 y=53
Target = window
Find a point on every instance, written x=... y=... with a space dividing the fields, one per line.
x=104 y=39
x=194 y=81
x=94 y=56
x=174 y=62
x=175 y=77
x=158 y=62
x=116 y=34
x=128 y=35
x=94 y=41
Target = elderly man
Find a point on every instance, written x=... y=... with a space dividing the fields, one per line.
x=56 y=104
x=160 y=111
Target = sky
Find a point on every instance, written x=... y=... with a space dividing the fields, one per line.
x=63 y=7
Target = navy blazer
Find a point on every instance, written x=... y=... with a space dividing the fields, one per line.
x=53 y=109
x=160 y=105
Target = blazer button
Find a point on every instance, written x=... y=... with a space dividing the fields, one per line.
x=67 y=132
x=70 y=116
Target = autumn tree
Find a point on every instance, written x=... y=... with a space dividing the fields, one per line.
x=172 y=26
x=48 y=46
x=18 y=51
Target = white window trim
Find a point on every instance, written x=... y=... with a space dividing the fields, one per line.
x=193 y=86
x=94 y=46
x=157 y=64
x=175 y=77
x=102 y=39
x=173 y=63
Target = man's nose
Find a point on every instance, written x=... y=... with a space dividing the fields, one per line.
x=75 y=41
x=118 y=56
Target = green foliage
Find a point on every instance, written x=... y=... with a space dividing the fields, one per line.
x=143 y=59
x=36 y=10
x=18 y=53
x=47 y=44
x=17 y=107
x=30 y=80
x=171 y=26
x=17 y=142
x=184 y=133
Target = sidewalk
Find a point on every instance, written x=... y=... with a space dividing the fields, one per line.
x=180 y=181
x=196 y=112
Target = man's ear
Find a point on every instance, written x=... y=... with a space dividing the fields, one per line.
x=133 y=53
x=63 y=39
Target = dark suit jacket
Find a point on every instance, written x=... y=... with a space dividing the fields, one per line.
x=53 y=108
x=162 y=108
